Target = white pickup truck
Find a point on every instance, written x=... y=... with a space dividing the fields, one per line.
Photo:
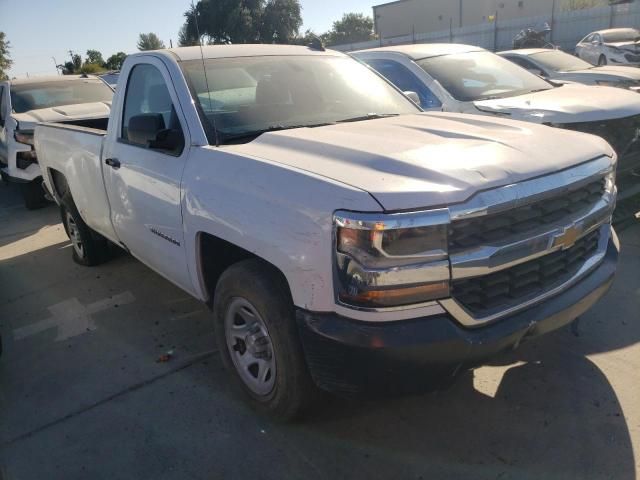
x=70 y=99
x=343 y=238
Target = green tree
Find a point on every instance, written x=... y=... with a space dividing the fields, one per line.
x=115 y=61
x=94 y=56
x=241 y=21
x=72 y=67
x=5 y=57
x=281 y=21
x=351 y=28
x=150 y=41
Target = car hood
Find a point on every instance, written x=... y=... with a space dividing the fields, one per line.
x=63 y=113
x=626 y=73
x=628 y=46
x=566 y=104
x=428 y=159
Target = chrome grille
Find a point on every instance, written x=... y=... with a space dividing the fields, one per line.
x=485 y=230
x=482 y=296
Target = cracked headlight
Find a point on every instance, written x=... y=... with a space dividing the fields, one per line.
x=391 y=260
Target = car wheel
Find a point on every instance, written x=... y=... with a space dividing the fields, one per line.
x=258 y=340
x=89 y=248
x=33 y=194
x=602 y=61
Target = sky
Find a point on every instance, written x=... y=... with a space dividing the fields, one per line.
x=40 y=30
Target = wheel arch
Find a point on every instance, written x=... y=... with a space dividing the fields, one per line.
x=214 y=255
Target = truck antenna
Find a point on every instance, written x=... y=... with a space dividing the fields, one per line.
x=204 y=69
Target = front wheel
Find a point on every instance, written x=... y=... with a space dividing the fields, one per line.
x=258 y=339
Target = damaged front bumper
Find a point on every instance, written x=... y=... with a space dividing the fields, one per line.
x=351 y=357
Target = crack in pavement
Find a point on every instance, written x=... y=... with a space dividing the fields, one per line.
x=188 y=363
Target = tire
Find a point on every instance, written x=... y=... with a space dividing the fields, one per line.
x=89 y=248
x=602 y=61
x=33 y=194
x=253 y=311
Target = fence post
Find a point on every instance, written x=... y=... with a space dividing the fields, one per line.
x=611 y=16
x=553 y=21
x=450 y=30
x=495 y=32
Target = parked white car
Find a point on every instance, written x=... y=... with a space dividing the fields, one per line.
x=467 y=79
x=616 y=46
x=564 y=68
x=72 y=99
x=342 y=237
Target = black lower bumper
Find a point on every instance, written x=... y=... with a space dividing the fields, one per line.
x=349 y=357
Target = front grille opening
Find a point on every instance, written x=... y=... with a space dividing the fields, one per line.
x=483 y=296
x=490 y=229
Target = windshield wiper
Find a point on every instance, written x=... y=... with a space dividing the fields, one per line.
x=368 y=116
x=273 y=128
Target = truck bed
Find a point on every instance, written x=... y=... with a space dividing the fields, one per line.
x=76 y=151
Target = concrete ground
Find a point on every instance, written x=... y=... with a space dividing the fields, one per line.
x=83 y=397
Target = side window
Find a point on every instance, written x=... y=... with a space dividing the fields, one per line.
x=587 y=39
x=405 y=80
x=3 y=107
x=149 y=118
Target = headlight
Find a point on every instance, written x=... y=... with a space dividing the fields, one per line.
x=24 y=137
x=391 y=260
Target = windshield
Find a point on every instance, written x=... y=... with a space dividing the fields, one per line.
x=480 y=76
x=622 y=35
x=257 y=94
x=560 y=61
x=34 y=96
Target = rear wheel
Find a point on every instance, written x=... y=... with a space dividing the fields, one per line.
x=602 y=61
x=258 y=339
x=89 y=247
x=33 y=194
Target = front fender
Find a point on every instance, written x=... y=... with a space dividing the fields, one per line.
x=280 y=214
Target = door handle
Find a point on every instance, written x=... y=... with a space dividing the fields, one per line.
x=113 y=163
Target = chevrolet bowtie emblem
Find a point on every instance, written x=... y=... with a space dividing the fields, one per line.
x=568 y=238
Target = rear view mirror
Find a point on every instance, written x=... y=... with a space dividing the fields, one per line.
x=413 y=96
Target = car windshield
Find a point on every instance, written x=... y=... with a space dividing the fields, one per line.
x=560 y=61
x=245 y=96
x=26 y=97
x=480 y=76
x=622 y=35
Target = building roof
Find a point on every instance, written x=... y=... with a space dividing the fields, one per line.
x=426 y=50
x=243 y=50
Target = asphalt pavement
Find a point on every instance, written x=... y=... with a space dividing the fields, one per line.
x=84 y=393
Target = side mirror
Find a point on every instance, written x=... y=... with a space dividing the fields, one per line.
x=144 y=128
x=149 y=129
x=413 y=96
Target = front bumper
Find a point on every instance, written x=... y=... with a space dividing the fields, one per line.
x=351 y=357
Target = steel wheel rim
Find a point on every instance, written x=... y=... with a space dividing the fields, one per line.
x=250 y=346
x=74 y=235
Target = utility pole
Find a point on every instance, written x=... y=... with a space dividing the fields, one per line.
x=71 y=55
x=460 y=25
x=553 y=20
x=170 y=43
x=56 y=65
x=495 y=32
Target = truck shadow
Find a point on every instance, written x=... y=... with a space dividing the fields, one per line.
x=554 y=416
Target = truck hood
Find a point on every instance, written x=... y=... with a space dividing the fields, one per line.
x=566 y=104
x=63 y=113
x=427 y=159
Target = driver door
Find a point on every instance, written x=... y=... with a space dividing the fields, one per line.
x=143 y=176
